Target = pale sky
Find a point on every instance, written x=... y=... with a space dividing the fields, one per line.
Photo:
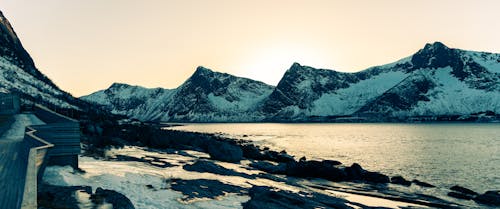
x=86 y=45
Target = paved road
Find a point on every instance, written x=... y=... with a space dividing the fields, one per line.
x=13 y=161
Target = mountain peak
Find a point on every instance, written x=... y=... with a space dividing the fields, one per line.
x=118 y=85
x=200 y=70
x=435 y=55
x=436 y=46
x=295 y=67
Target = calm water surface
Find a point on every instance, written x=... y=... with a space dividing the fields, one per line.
x=441 y=154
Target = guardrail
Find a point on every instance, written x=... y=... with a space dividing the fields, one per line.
x=55 y=143
x=37 y=160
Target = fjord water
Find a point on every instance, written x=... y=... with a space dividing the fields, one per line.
x=443 y=154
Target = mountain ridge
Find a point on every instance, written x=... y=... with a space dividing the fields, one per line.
x=304 y=93
x=19 y=74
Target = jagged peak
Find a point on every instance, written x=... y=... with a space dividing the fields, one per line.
x=202 y=70
x=119 y=85
x=436 y=46
x=296 y=67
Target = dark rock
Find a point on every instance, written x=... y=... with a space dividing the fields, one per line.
x=50 y=196
x=151 y=160
x=224 y=151
x=459 y=195
x=489 y=198
x=278 y=157
x=354 y=172
x=205 y=166
x=422 y=184
x=463 y=190
x=63 y=197
x=203 y=188
x=271 y=177
x=332 y=162
x=250 y=151
x=149 y=186
x=375 y=177
x=315 y=169
x=119 y=201
x=269 y=167
x=269 y=198
x=400 y=180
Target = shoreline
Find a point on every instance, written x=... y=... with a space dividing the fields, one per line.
x=264 y=160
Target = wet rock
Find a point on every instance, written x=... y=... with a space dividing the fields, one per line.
x=422 y=184
x=250 y=151
x=463 y=190
x=489 y=198
x=205 y=166
x=281 y=157
x=315 y=169
x=253 y=152
x=459 y=195
x=400 y=180
x=224 y=151
x=269 y=198
x=354 y=172
x=375 y=177
x=269 y=167
x=203 y=188
x=119 y=201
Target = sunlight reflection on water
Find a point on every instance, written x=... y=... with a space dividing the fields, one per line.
x=444 y=153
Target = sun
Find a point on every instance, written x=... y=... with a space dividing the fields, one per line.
x=269 y=64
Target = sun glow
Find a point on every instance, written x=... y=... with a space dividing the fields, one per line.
x=269 y=63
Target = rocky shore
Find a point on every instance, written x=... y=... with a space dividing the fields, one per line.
x=312 y=179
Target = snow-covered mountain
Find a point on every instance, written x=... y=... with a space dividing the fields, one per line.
x=19 y=74
x=206 y=96
x=435 y=81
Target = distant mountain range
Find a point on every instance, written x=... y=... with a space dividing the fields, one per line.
x=436 y=83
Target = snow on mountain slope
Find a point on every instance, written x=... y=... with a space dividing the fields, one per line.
x=130 y=100
x=348 y=100
x=436 y=80
x=209 y=96
x=393 y=89
x=17 y=80
x=19 y=74
x=453 y=97
x=205 y=96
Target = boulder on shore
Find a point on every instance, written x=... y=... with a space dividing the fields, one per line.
x=400 y=180
x=489 y=198
x=118 y=200
x=223 y=151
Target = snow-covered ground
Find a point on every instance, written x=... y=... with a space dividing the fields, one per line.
x=130 y=178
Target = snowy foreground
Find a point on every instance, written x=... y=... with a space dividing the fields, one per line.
x=148 y=184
